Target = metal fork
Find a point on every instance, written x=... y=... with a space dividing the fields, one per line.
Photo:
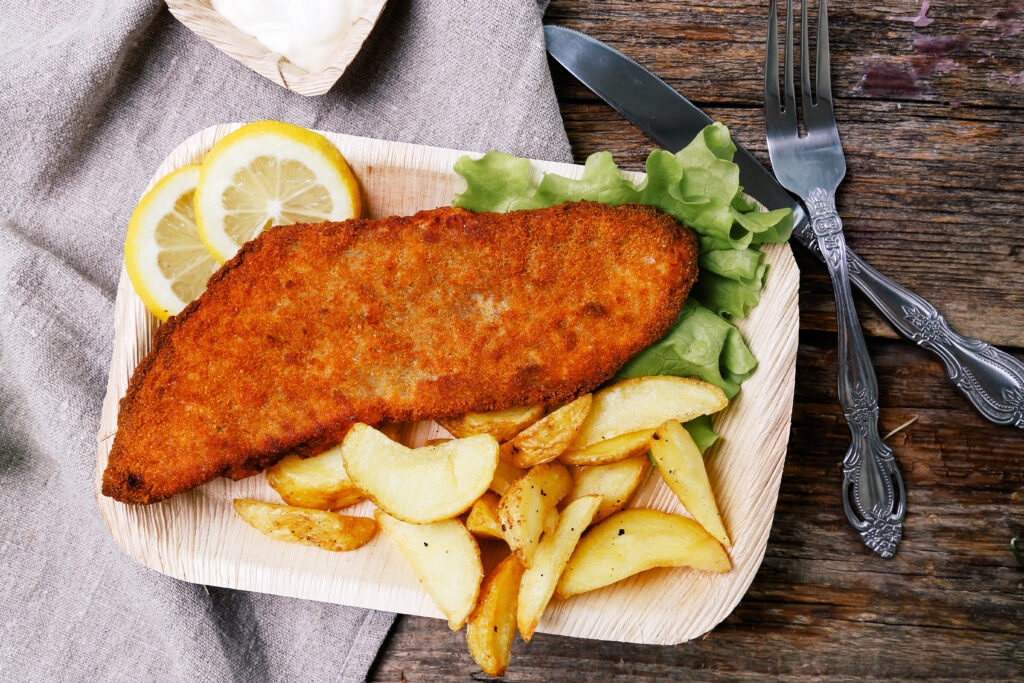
x=812 y=167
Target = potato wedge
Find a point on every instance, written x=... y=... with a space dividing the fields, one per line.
x=635 y=540
x=421 y=485
x=492 y=626
x=504 y=475
x=551 y=518
x=682 y=467
x=548 y=438
x=320 y=528
x=446 y=560
x=318 y=482
x=610 y=450
x=523 y=508
x=501 y=424
x=615 y=483
x=646 y=403
x=553 y=553
x=483 y=517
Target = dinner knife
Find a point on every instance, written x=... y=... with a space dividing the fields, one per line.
x=991 y=379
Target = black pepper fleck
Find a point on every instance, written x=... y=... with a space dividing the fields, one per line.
x=621 y=531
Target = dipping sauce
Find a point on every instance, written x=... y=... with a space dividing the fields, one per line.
x=307 y=32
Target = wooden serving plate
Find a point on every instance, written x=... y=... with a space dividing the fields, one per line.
x=198 y=537
x=202 y=19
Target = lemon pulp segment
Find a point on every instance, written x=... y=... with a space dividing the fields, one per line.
x=182 y=257
x=166 y=260
x=270 y=173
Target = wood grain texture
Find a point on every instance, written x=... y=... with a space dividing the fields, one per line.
x=934 y=190
x=932 y=121
x=948 y=606
x=196 y=536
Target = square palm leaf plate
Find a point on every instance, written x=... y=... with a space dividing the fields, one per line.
x=197 y=537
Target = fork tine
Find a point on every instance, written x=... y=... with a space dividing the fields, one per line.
x=790 y=102
x=771 y=65
x=805 y=61
x=823 y=87
x=778 y=120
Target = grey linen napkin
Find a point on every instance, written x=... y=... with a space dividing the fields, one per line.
x=95 y=94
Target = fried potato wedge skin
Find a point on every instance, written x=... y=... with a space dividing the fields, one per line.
x=504 y=475
x=483 y=517
x=615 y=483
x=445 y=558
x=610 y=450
x=317 y=482
x=551 y=557
x=525 y=505
x=319 y=528
x=492 y=626
x=547 y=438
x=421 y=485
x=682 y=467
x=647 y=403
x=551 y=518
x=503 y=425
x=635 y=540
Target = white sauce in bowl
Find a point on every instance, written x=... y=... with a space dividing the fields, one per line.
x=307 y=32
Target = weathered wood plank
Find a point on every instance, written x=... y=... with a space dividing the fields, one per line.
x=758 y=642
x=932 y=120
x=714 y=52
x=948 y=602
x=934 y=202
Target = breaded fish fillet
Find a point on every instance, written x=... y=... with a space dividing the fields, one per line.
x=311 y=328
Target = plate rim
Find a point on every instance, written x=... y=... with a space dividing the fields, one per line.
x=204 y=139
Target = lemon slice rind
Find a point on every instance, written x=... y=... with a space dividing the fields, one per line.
x=141 y=249
x=285 y=142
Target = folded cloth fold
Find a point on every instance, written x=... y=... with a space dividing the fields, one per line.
x=96 y=95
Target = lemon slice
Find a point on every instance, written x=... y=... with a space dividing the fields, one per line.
x=270 y=173
x=167 y=262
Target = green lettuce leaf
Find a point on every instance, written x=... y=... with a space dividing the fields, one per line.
x=702 y=432
x=735 y=264
x=728 y=295
x=601 y=182
x=701 y=344
x=698 y=186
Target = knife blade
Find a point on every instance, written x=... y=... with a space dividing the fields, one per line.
x=991 y=379
x=653 y=106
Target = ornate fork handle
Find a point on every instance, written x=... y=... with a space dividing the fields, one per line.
x=873 y=494
x=991 y=379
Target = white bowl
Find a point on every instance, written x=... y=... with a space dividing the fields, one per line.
x=200 y=16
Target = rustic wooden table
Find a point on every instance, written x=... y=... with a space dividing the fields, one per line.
x=932 y=121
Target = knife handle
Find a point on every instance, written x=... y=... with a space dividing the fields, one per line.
x=991 y=379
x=874 y=499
